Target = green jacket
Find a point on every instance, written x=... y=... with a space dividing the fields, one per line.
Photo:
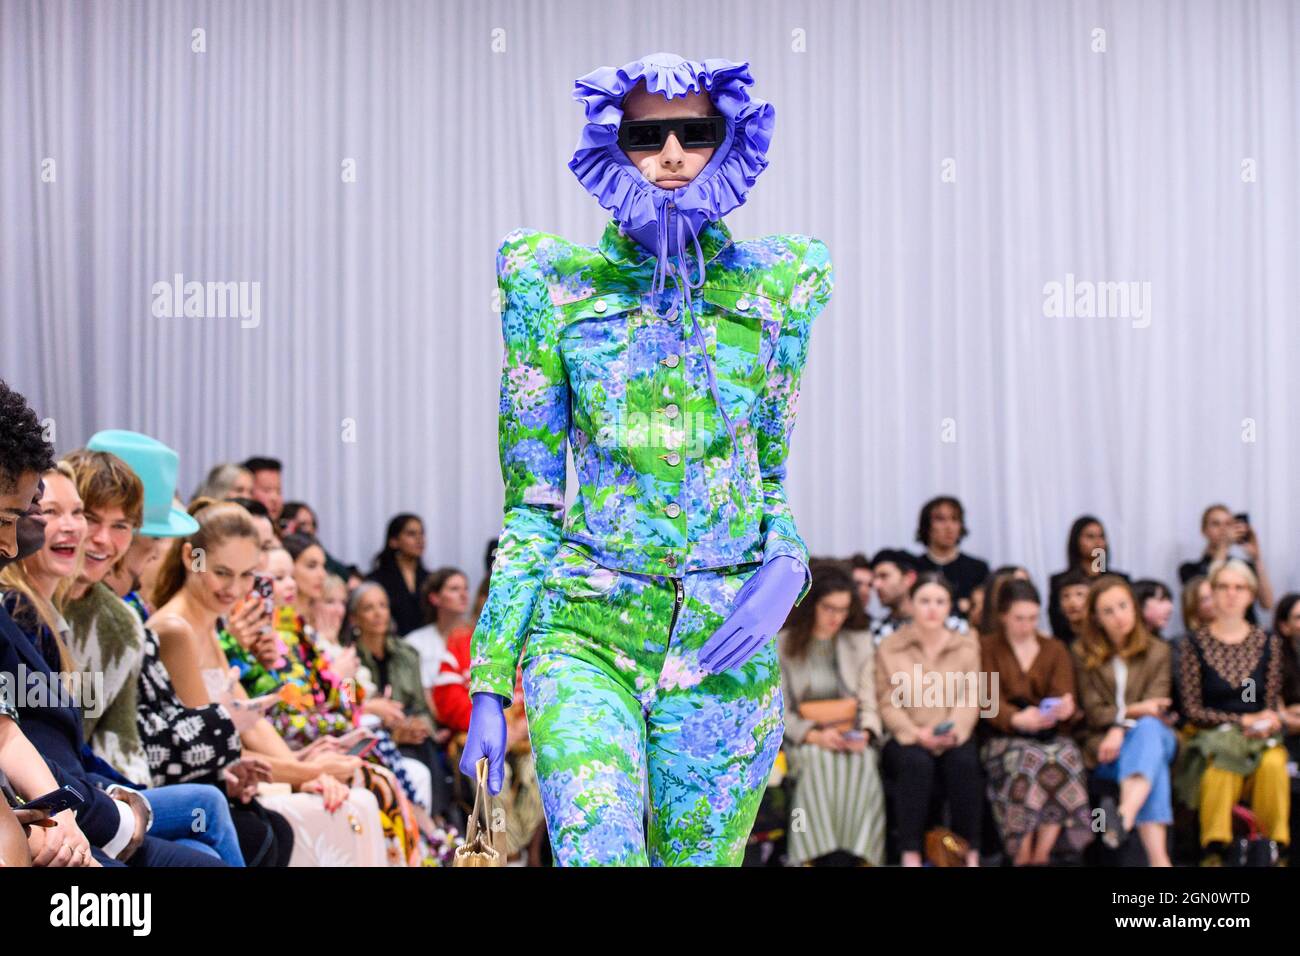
x=596 y=360
x=403 y=676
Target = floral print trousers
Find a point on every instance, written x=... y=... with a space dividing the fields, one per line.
x=619 y=709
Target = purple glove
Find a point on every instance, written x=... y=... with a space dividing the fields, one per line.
x=762 y=605
x=486 y=738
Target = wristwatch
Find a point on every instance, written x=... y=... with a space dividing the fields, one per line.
x=148 y=810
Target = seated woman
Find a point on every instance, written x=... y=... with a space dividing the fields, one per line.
x=1087 y=550
x=832 y=730
x=202 y=577
x=314 y=700
x=931 y=741
x=1155 y=606
x=399 y=699
x=1036 y=776
x=1230 y=684
x=1124 y=689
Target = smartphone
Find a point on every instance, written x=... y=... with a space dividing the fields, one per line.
x=1048 y=704
x=264 y=588
x=943 y=728
x=56 y=801
x=362 y=747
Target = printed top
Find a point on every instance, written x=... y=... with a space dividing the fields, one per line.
x=594 y=355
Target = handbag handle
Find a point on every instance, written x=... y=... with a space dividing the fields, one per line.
x=482 y=801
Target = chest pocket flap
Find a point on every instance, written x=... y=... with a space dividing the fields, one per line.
x=599 y=306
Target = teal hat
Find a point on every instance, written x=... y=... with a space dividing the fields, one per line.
x=155 y=465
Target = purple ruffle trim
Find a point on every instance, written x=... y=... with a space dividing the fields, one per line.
x=605 y=171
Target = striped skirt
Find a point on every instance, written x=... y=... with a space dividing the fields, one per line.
x=839 y=804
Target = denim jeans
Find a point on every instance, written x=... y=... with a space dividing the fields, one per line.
x=1148 y=748
x=195 y=815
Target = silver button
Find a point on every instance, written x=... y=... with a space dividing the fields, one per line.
x=673 y=510
x=674 y=458
x=672 y=360
x=600 y=306
x=742 y=304
x=671 y=411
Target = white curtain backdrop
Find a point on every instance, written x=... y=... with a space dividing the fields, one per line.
x=957 y=157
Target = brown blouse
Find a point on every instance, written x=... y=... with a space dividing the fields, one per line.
x=1050 y=675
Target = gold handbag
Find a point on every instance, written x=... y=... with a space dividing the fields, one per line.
x=478 y=849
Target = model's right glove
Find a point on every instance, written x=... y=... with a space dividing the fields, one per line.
x=486 y=738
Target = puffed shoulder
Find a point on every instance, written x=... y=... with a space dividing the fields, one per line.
x=814 y=278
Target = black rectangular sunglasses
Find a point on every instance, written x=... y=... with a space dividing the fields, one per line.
x=693 y=132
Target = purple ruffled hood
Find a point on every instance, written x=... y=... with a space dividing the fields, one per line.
x=668 y=221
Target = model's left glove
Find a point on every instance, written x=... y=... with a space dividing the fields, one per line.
x=761 y=607
x=486 y=738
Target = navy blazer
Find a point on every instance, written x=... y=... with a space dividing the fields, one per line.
x=58 y=735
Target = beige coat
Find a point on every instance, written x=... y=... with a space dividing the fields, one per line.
x=855 y=661
x=900 y=661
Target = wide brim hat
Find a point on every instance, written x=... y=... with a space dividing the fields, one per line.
x=156 y=466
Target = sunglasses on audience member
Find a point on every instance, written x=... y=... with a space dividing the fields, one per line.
x=692 y=132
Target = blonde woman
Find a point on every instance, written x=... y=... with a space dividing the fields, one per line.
x=202 y=577
x=1230 y=684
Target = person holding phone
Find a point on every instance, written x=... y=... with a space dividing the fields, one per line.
x=1231 y=536
x=930 y=742
x=192 y=597
x=1125 y=681
x=1037 y=782
x=832 y=731
x=1230 y=680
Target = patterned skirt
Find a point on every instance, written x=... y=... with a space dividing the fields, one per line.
x=1037 y=783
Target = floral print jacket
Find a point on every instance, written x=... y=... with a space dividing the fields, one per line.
x=588 y=359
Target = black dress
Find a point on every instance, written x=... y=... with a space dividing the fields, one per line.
x=404 y=604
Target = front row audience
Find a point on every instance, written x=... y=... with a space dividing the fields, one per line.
x=1097 y=740
x=202 y=665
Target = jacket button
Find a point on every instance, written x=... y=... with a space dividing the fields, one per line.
x=673 y=510
x=600 y=306
x=674 y=458
x=672 y=360
x=742 y=304
x=671 y=411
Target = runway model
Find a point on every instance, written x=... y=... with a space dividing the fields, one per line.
x=669 y=356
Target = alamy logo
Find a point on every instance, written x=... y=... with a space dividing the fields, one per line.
x=33 y=689
x=132 y=910
x=1085 y=299
x=208 y=300
x=946 y=690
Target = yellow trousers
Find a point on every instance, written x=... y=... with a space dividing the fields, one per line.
x=1269 y=789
